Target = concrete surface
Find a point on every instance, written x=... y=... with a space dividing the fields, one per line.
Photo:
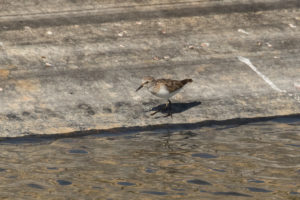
x=74 y=65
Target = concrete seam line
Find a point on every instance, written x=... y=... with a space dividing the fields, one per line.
x=266 y=79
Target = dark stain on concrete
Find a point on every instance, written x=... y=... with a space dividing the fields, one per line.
x=13 y=117
x=121 y=104
x=137 y=15
x=107 y=110
x=25 y=113
x=45 y=113
x=88 y=109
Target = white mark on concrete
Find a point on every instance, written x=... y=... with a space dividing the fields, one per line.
x=292 y=26
x=121 y=34
x=243 y=31
x=27 y=28
x=205 y=44
x=49 y=32
x=105 y=85
x=268 y=44
x=163 y=32
x=295 y=96
x=297 y=85
x=48 y=64
x=167 y=57
x=266 y=79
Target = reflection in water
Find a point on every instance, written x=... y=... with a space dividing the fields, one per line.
x=232 y=194
x=255 y=189
x=258 y=160
x=199 y=182
x=203 y=155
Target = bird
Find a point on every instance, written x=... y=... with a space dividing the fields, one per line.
x=163 y=88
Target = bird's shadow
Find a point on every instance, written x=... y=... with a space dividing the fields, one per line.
x=176 y=107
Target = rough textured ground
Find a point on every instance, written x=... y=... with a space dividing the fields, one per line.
x=74 y=65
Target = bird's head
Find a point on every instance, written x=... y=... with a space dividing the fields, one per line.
x=146 y=81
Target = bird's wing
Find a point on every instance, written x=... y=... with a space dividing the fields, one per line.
x=172 y=85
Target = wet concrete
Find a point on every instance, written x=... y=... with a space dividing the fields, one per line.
x=73 y=66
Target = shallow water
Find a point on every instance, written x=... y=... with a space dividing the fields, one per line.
x=252 y=161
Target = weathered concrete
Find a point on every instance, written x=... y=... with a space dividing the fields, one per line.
x=74 y=65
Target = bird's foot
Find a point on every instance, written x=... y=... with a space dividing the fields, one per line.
x=169 y=114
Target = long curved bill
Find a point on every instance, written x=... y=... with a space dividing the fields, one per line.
x=140 y=87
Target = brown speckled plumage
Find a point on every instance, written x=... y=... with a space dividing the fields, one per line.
x=172 y=85
x=163 y=88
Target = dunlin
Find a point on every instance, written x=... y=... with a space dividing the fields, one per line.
x=163 y=88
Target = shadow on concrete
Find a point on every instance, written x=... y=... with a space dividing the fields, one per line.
x=176 y=107
x=38 y=138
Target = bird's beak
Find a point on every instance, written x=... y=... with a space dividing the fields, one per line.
x=140 y=87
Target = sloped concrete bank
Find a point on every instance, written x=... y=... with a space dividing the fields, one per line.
x=75 y=67
x=159 y=128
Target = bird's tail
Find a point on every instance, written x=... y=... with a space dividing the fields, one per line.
x=185 y=81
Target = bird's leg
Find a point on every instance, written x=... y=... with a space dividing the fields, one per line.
x=156 y=112
x=169 y=105
x=160 y=109
x=170 y=108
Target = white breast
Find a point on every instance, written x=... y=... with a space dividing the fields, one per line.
x=164 y=93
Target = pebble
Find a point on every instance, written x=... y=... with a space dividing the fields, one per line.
x=205 y=44
x=243 y=31
x=48 y=64
x=292 y=26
